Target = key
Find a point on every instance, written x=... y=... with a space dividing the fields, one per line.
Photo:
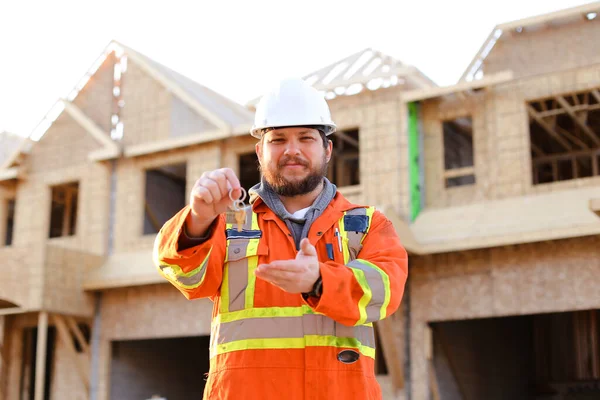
x=240 y=218
x=237 y=214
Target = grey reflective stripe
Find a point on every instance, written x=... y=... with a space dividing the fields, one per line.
x=378 y=289
x=186 y=280
x=237 y=273
x=236 y=266
x=289 y=328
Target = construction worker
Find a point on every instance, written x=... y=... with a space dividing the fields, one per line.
x=297 y=287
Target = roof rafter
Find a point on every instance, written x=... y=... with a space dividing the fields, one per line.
x=586 y=129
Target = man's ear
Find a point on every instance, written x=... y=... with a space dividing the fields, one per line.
x=329 y=149
x=258 y=149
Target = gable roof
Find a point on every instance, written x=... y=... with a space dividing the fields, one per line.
x=556 y=18
x=223 y=112
x=9 y=143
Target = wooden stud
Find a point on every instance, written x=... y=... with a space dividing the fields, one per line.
x=78 y=334
x=564 y=104
x=41 y=354
x=66 y=339
x=547 y=128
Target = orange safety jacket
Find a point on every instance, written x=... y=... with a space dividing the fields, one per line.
x=270 y=344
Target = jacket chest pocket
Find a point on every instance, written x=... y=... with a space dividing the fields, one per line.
x=237 y=289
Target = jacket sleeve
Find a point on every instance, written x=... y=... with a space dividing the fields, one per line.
x=196 y=271
x=370 y=287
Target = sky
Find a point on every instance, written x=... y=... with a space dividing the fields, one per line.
x=237 y=48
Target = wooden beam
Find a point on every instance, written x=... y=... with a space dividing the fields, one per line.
x=574 y=139
x=458 y=172
x=78 y=335
x=595 y=206
x=564 y=104
x=537 y=150
x=559 y=111
x=41 y=353
x=596 y=94
x=534 y=114
x=67 y=341
x=428 y=93
x=347 y=138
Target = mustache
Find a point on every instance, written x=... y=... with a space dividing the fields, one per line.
x=293 y=160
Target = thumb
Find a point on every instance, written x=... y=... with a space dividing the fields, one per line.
x=306 y=248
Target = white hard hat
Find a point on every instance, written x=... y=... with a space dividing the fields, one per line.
x=292 y=103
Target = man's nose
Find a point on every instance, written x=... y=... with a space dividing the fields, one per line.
x=292 y=148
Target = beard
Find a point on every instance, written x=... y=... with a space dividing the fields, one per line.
x=286 y=188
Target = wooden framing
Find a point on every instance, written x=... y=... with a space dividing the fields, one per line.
x=65 y=327
x=430 y=93
x=41 y=350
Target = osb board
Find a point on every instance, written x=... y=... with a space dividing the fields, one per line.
x=502 y=154
x=153 y=311
x=546 y=50
x=146 y=114
x=20 y=283
x=65 y=271
x=514 y=280
x=129 y=216
x=65 y=144
x=381 y=120
x=96 y=98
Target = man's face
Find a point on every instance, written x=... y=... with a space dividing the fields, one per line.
x=293 y=160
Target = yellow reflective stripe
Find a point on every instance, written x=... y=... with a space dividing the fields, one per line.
x=266 y=312
x=366 y=297
x=252 y=264
x=224 y=306
x=344 y=236
x=293 y=343
x=386 y=284
x=175 y=274
x=370 y=211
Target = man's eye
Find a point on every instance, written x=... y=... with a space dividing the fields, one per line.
x=276 y=140
x=308 y=138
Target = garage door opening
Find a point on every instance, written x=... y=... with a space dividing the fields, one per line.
x=542 y=357
x=170 y=369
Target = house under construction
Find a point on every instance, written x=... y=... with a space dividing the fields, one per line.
x=493 y=185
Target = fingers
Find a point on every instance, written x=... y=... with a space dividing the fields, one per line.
x=307 y=248
x=213 y=186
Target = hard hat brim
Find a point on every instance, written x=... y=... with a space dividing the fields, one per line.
x=328 y=129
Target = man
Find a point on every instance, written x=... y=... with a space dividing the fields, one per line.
x=296 y=290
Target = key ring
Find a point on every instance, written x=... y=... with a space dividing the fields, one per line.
x=239 y=203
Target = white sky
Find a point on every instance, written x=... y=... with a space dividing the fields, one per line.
x=238 y=48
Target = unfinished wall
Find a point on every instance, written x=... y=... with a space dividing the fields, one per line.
x=513 y=280
x=129 y=222
x=59 y=157
x=383 y=161
x=501 y=138
x=146 y=113
x=96 y=98
x=550 y=49
x=155 y=311
x=65 y=375
x=433 y=113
